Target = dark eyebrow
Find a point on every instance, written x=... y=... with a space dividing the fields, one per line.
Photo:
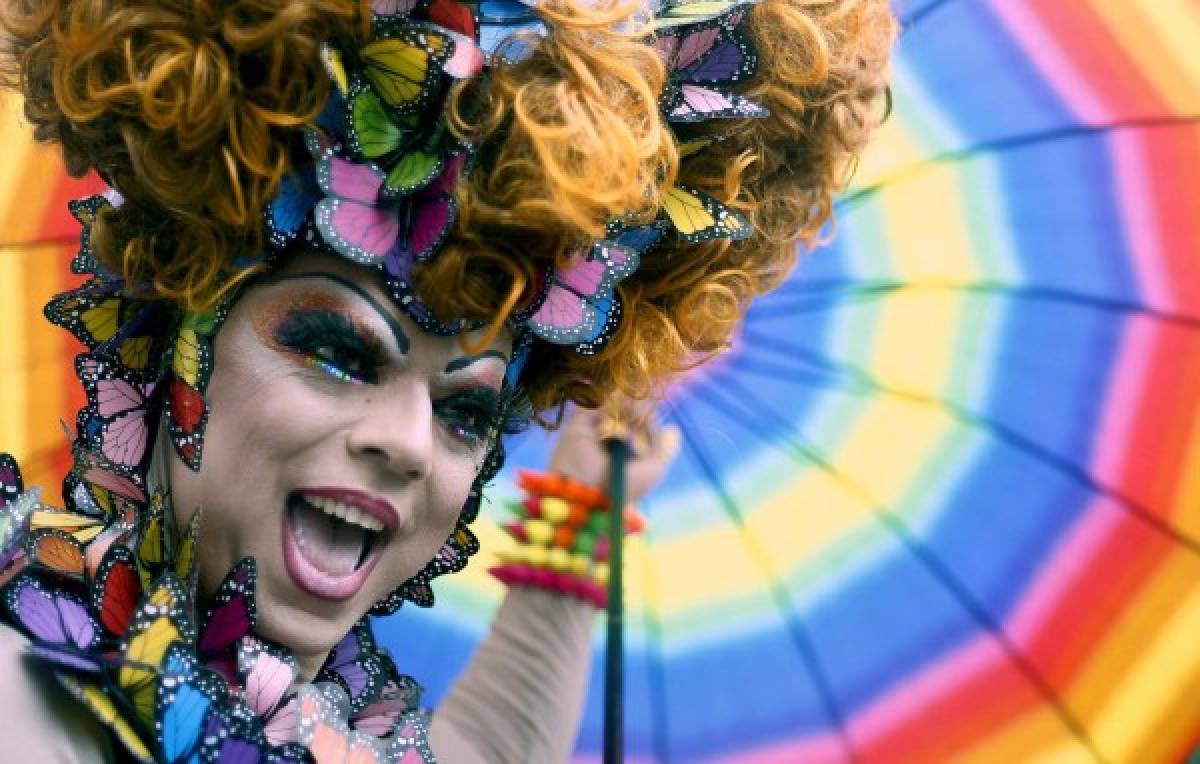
x=402 y=341
x=464 y=361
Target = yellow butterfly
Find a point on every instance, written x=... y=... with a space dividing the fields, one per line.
x=190 y=359
x=694 y=12
x=158 y=624
x=152 y=544
x=331 y=57
x=696 y=216
x=185 y=549
x=405 y=65
x=97 y=700
x=96 y=320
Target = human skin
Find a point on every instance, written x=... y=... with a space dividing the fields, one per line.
x=278 y=423
x=405 y=434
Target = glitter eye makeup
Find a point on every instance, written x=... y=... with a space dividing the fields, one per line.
x=317 y=329
x=469 y=414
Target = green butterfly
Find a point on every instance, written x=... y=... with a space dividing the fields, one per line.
x=411 y=163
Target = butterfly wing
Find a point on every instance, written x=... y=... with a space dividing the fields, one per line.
x=103 y=319
x=291 y=206
x=114 y=421
x=185 y=551
x=16 y=511
x=116 y=590
x=690 y=13
x=328 y=739
x=54 y=616
x=374 y=133
x=412 y=171
x=386 y=8
x=11 y=484
x=398 y=696
x=187 y=414
x=404 y=63
x=152 y=551
x=231 y=615
x=355 y=666
x=96 y=699
x=267 y=674
x=410 y=745
x=697 y=217
x=430 y=218
x=57 y=552
x=348 y=218
x=160 y=621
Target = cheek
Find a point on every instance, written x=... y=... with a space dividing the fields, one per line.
x=264 y=418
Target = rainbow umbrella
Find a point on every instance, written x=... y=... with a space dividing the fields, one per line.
x=936 y=503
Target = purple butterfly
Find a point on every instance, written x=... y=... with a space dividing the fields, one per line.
x=704 y=59
x=11 y=485
x=355 y=666
x=16 y=509
x=58 y=621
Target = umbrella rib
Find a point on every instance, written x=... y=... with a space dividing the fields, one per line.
x=843 y=289
x=894 y=525
x=779 y=595
x=1000 y=145
x=984 y=424
x=916 y=17
x=49 y=241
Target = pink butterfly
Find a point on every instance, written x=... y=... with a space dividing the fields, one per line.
x=398 y=697
x=467 y=59
x=331 y=741
x=581 y=306
x=325 y=734
x=385 y=8
x=349 y=217
x=266 y=675
x=115 y=420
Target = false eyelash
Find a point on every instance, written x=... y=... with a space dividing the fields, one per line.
x=305 y=331
x=483 y=401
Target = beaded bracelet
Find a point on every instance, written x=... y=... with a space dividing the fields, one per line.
x=561 y=532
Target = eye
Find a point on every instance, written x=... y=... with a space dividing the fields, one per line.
x=330 y=343
x=469 y=415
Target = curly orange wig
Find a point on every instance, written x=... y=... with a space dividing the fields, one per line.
x=191 y=111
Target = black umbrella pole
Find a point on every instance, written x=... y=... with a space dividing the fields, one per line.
x=618 y=452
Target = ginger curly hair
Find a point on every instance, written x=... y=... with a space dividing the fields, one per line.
x=191 y=109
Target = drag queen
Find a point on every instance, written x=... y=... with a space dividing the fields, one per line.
x=348 y=247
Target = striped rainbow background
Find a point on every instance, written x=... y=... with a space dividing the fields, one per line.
x=942 y=501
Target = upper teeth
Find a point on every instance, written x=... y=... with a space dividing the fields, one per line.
x=345 y=512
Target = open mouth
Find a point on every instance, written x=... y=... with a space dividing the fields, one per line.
x=330 y=546
x=335 y=538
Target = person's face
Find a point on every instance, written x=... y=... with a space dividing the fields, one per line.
x=341 y=445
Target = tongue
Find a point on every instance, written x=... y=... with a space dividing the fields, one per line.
x=330 y=545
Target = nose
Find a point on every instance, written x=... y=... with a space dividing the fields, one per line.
x=394 y=429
